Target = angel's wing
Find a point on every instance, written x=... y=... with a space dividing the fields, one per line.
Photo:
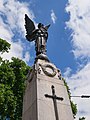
x=29 y=26
x=46 y=27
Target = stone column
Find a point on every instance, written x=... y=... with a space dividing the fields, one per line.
x=38 y=107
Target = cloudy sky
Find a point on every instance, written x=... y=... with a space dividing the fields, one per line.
x=68 y=42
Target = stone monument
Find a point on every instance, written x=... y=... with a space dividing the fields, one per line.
x=46 y=97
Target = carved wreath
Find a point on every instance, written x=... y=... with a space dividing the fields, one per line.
x=46 y=72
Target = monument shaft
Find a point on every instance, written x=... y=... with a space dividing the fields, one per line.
x=56 y=104
x=54 y=97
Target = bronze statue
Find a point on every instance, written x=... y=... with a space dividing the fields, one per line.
x=39 y=35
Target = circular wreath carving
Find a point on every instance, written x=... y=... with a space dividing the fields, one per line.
x=44 y=68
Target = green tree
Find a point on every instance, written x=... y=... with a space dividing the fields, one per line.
x=12 y=84
x=83 y=118
x=73 y=105
x=4 y=46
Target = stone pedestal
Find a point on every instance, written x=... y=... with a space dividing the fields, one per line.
x=38 y=107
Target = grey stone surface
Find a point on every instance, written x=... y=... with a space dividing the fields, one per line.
x=47 y=68
x=36 y=106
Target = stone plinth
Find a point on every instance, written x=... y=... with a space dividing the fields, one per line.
x=36 y=106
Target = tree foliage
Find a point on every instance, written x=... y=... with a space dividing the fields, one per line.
x=12 y=85
x=73 y=105
x=83 y=118
x=4 y=46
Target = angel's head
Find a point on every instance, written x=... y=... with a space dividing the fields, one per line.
x=40 y=25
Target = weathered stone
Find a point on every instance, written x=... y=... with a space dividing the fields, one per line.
x=36 y=106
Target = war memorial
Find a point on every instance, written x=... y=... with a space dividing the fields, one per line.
x=46 y=97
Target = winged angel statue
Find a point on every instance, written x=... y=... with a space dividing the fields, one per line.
x=39 y=35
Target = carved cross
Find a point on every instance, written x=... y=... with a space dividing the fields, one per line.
x=55 y=98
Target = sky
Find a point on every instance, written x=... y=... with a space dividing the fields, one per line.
x=68 y=45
